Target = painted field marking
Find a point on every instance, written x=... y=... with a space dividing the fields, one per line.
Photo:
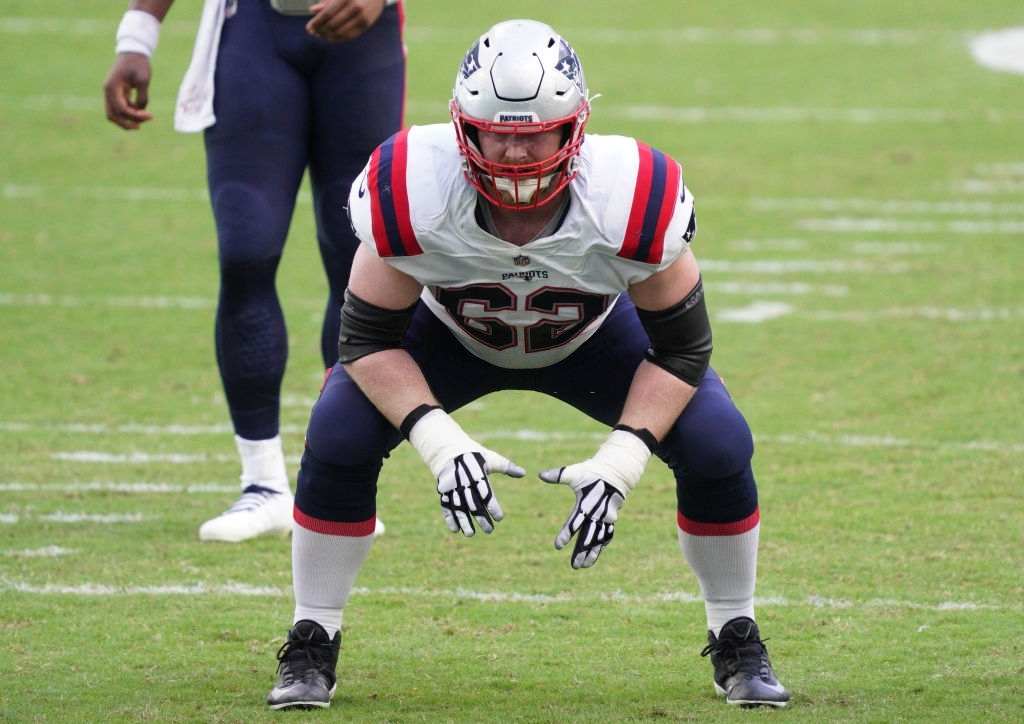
x=47 y=552
x=113 y=487
x=802 y=266
x=755 y=312
x=844 y=224
x=650 y=113
x=769 y=244
x=1002 y=168
x=944 y=314
x=1001 y=50
x=889 y=441
x=35 y=25
x=8 y=519
x=896 y=248
x=778 y=288
x=885 y=207
x=73 y=302
x=64 y=517
x=547 y=436
x=492 y=597
x=990 y=186
x=67 y=301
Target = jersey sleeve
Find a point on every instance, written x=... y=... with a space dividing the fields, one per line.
x=378 y=203
x=661 y=220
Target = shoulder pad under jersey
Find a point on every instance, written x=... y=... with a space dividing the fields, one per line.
x=647 y=211
x=402 y=190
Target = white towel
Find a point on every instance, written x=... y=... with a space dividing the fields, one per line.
x=194 y=110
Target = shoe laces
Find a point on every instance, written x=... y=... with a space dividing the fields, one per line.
x=253 y=497
x=749 y=656
x=300 y=655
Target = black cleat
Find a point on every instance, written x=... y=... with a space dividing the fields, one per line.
x=743 y=673
x=305 y=669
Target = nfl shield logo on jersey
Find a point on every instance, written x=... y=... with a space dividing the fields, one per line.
x=521 y=260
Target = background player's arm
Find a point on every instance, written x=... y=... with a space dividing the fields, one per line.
x=657 y=397
x=343 y=20
x=126 y=90
x=391 y=379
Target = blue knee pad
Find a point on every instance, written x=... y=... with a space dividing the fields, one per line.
x=346 y=443
x=709 y=450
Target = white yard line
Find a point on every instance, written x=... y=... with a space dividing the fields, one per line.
x=896 y=248
x=944 y=314
x=889 y=441
x=778 y=289
x=40 y=299
x=74 y=302
x=8 y=518
x=919 y=207
x=492 y=597
x=754 y=313
x=1002 y=168
x=802 y=266
x=114 y=487
x=528 y=435
x=844 y=224
x=47 y=552
x=1001 y=50
x=761 y=245
x=671 y=37
x=65 y=517
x=990 y=186
x=685 y=115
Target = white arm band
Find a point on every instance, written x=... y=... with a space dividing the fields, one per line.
x=138 y=33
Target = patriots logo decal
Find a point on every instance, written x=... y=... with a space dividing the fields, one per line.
x=471 y=63
x=569 y=64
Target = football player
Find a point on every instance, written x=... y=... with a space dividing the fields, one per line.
x=276 y=86
x=509 y=250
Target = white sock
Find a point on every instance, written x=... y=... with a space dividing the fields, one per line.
x=324 y=569
x=726 y=568
x=263 y=463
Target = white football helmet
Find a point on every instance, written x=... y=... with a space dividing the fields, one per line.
x=520 y=77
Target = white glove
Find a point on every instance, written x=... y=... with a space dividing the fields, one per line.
x=461 y=466
x=601 y=485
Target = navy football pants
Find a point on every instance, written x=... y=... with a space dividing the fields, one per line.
x=285 y=101
x=709 y=449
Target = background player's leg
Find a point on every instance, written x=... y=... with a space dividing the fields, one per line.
x=357 y=96
x=256 y=153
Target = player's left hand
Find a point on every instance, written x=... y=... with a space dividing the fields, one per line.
x=601 y=485
x=341 y=20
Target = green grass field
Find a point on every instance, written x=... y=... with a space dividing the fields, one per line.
x=860 y=182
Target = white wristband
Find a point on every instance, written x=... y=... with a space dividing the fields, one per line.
x=438 y=438
x=621 y=460
x=138 y=32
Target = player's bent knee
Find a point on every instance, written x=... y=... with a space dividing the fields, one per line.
x=723 y=455
x=340 y=493
x=251 y=226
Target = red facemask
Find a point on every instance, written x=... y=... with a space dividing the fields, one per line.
x=526 y=185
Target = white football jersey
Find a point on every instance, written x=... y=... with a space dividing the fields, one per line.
x=629 y=216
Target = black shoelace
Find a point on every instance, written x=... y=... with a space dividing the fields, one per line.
x=749 y=657
x=298 y=656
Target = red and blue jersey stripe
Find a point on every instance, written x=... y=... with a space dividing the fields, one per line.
x=389 y=198
x=658 y=183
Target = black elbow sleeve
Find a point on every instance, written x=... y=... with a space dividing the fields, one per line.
x=680 y=337
x=367 y=328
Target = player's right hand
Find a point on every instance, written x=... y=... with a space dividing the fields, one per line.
x=461 y=466
x=126 y=91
